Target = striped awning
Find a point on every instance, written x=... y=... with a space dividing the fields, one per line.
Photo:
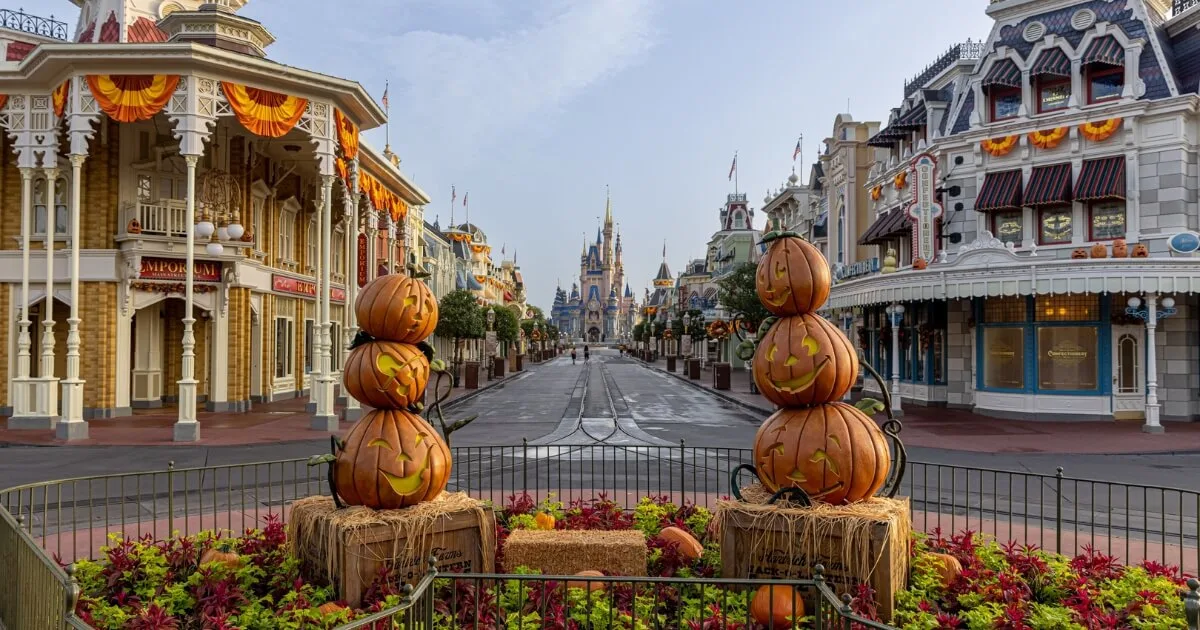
x=914 y=119
x=886 y=137
x=1101 y=179
x=1001 y=191
x=1005 y=73
x=1049 y=185
x=1106 y=50
x=888 y=225
x=1053 y=62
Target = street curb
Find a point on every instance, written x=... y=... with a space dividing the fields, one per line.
x=712 y=392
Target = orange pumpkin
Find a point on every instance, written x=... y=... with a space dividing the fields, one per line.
x=585 y=584
x=544 y=520
x=804 y=360
x=1141 y=251
x=386 y=374
x=1119 y=248
x=792 y=277
x=328 y=608
x=1099 y=251
x=227 y=558
x=397 y=308
x=1081 y=252
x=919 y=263
x=777 y=606
x=948 y=567
x=689 y=547
x=833 y=452
x=392 y=459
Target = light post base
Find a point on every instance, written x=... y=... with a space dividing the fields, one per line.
x=1153 y=428
x=187 y=427
x=324 y=418
x=26 y=415
x=72 y=426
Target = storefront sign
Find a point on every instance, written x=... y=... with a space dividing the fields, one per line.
x=304 y=288
x=176 y=269
x=362 y=260
x=860 y=268
x=1184 y=243
x=925 y=209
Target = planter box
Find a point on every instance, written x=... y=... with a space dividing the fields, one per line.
x=498 y=367
x=721 y=374
x=693 y=369
x=471 y=375
x=670 y=364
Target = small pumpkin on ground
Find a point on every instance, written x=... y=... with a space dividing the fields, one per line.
x=329 y=608
x=392 y=459
x=948 y=567
x=585 y=584
x=687 y=544
x=777 y=606
x=397 y=307
x=544 y=520
x=222 y=556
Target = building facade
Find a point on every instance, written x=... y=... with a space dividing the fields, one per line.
x=1035 y=207
x=600 y=306
x=122 y=168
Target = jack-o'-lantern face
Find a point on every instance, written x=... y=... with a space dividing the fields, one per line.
x=804 y=360
x=386 y=375
x=392 y=459
x=834 y=452
x=397 y=308
x=792 y=278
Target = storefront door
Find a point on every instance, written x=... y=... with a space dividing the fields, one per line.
x=1129 y=372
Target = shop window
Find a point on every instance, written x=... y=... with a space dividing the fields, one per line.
x=1054 y=225
x=40 y=203
x=1008 y=226
x=1004 y=310
x=309 y=346
x=1004 y=357
x=1067 y=358
x=1067 y=308
x=1053 y=94
x=284 y=347
x=1106 y=220
x=287 y=231
x=145 y=188
x=1105 y=83
x=258 y=207
x=1006 y=102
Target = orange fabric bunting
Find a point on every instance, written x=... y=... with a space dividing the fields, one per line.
x=132 y=97
x=59 y=98
x=901 y=180
x=347 y=135
x=1100 y=131
x=3 y=100
x=262 y=112
x=1049 y=138
x=998 y=147
x=343 y=171
x=381 y=198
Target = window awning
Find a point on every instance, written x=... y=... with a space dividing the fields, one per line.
x=914 y=119
x=885 y=138
x=1049 y=185
x=1101 y=179
x=1106 y=50
x=888 y=225
x=1003 y=73
x=1001 y=191
x=1053 y=62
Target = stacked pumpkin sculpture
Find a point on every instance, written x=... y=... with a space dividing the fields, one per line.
x=392 y=458
x=815 y=448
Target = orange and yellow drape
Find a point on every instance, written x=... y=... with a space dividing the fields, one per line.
x=1049 y=138
x=59 y=98
x=901 y=180
x=876 y=193
x=3 y=100
x=1100 y=131
x=381 y=198
x=264 y=113
x=998 y=147
x=347 y=135
x=132 y=97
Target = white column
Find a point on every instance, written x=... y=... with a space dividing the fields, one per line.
x=353 y=408
x=391 y=244
x=1152 y=408
x=187 y=426
x=372 y=230
x=23 y=408
x=896 y=322
x=49 y=383
x=72 y=426
x=314 y=377
x=325 y=419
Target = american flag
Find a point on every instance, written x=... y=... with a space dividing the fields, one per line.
x=465 y=198
x=453 y=195
x=385 y=95
x=796 y=151
x=733 y=167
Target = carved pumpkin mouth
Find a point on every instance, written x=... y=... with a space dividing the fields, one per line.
x=778 y=301
x=409 y=484
x=802 y=382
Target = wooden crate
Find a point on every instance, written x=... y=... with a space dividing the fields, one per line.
x=360 y=553
x=763 y=546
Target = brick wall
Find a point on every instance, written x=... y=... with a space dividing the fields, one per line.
x=1177 y=344
x=239 y=345
x=1168 y=182
x=98 y=343
x=960 y=355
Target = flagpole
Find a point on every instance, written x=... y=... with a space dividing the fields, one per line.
x=735 y=173
x=387 y=114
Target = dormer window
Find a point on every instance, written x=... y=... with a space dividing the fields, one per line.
x=1051 y=74
x=1104 y=64
x=1003 y=86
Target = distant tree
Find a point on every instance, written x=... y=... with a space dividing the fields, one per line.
x=507 y=327
x=639 y=331
x=459 y=318
x=737 y=295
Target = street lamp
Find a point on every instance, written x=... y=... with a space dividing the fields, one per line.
x=491 y=326
x=1151 y=314
x=895 y=314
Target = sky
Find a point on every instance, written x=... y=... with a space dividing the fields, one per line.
x=535 y=106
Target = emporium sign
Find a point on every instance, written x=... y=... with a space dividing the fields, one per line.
x=362 y=260
x=176 y=269
x=303 y=288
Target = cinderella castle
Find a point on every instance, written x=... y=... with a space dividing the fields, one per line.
x=600 y=306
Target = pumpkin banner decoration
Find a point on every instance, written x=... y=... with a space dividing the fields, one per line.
x=1100 y=131
x=1049 y=138
x=999 y=147
x=815 y=447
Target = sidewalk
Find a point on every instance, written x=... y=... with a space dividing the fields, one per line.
x=275 y=422
x=962 y=430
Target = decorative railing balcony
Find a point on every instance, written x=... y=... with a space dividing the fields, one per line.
x=34 y=25
x=735 y=197
x=163 y=217
x=1179 y=6
x=966 y=50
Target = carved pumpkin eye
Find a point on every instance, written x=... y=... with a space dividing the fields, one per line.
x=398 y=372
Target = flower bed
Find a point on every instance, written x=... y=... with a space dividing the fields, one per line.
x=219 y=581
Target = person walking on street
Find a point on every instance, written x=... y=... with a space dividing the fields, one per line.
x=586 y=354
x=572 y=356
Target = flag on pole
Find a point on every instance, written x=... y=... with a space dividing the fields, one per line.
x=453 y=195
x=796 y=151
x=385 y=95
x=733 y=167
x=664 y=250
x=465 y=198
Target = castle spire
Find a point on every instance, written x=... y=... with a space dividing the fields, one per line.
x=608 y=220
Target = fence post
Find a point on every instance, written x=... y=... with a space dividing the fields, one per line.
x=1058 y=486
x=73 y=589
x=1191 y=604
x=171 y=499
x=682 y=472
x=524 y=464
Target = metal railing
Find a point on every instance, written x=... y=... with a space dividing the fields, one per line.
x=965 y=50
x=21 y=21
x=1179 y=6
x=70 y=519
x=33 y=590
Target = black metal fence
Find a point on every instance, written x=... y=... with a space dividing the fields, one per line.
x=33 y=24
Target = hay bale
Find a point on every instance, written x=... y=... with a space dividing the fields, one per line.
x=348 y=547
x=567 y=552
x=864 y=542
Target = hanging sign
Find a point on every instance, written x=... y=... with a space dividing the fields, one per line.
x=362 y=260
x=925 y=209
x=304 y=288
x=176 y=269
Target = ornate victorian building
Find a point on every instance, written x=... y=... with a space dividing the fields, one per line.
x=600 y=306
x=184 y=222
